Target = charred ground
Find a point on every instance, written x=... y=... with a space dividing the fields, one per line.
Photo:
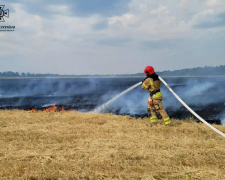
x=204 y=95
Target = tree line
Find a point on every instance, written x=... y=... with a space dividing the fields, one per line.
x=198 y=71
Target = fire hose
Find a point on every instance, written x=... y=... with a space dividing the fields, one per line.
x=194 y=113
x=102 y=107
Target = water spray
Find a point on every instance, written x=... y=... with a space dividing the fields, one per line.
x=194 y=113
x=103 y=106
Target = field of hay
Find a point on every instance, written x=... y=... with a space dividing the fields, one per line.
x=73 y=145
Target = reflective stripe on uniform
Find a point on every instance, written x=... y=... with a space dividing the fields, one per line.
x=144 y=86
x=154 y=119
x=167 y=120
x=151 y=83
x=157 y=95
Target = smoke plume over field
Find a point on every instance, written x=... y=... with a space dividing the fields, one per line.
x=202 y=94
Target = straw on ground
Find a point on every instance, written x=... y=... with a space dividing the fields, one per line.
x=68 y=145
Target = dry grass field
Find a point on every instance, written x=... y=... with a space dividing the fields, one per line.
x=73 y=145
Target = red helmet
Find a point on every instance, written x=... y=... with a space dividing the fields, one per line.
x=149 y=70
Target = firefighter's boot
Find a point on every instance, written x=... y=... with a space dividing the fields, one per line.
x=154 y=119
x=167 y=120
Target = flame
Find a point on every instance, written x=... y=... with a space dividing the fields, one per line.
x=32 y=110
x=51 y=109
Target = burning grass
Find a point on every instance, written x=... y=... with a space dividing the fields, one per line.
x=72 y=145
x=53 y=108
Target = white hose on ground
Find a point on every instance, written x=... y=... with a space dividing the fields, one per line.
x=194 y=113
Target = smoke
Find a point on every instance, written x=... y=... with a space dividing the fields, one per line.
x=222 y=117
x=126 y=103
x=193 y=92
x=198 y=93
x=87 y=93
x=47 y=87
x=32 y=92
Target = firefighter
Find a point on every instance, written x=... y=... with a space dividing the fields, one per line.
x=152 y=84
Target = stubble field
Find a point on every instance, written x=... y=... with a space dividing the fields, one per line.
x=73 y=145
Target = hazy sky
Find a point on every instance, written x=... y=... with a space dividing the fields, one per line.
x=111 y=36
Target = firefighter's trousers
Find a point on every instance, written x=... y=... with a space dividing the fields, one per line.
x=156 y=105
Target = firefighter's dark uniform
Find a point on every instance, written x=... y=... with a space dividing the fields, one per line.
x=152 y=84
